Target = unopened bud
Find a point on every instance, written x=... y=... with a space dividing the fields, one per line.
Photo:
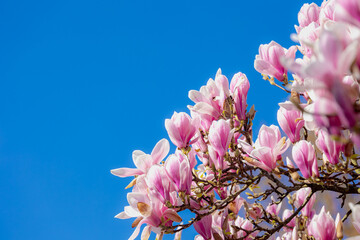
x=349 y=149
x=294 y=97
x=339 y=230
x=295 y=176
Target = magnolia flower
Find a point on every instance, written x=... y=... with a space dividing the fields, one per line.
x=239 y=87
x=304 y=156
x=286 y=214
x=268 y=60
x=143 y=161
x=329 y=147
x=204 y=226
x=327 y=11
x=159 y=182
x=179 y=171
x=220 y=135
x=181 y=128
x=308 y=13
x=210 y=100
x=323 y=226
x=244 y=224
x=268 y=148
x=273 y=208
x=348 y=11
x=147 y=210
x=300 y=198
x=290 y=121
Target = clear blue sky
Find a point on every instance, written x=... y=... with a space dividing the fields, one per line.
x=84 y=83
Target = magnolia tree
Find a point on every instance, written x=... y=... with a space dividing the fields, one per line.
x=238 y=186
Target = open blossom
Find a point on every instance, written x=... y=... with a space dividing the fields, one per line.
x=181 y=128
x=268 y=148
x=323 y=226
x=209 y=100
x=270 y=137
x=143 y=161
x=268 y=61
x=147 y=209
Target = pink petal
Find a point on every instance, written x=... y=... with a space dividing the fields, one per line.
x=160 y=151
x=126 y=172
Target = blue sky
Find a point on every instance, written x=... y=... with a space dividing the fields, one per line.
x=84 y=83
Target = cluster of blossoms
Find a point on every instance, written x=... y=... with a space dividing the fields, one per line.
x=237 y=188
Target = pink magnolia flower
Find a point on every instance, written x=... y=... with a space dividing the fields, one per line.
x=220 y=135
x=239 y=87
x=220 y=223
x=181 y=128
x=236 y=205
x=290 y=235
x=286 y=214
x=322 y=226
x=348 y=11
x=179 y=171
x=255 y=211
x=265 y=158
x=300 y=198
x=148 y=210
x=271 y=137
x=307 y=38
x=210 y=99
x=355 y=216
x=329 y=147
x=159 y=183
x=143 y=161
x=215 y=159
x=290 y=121
x=308 y=13
x=334 y=110
x=268 y=148
x=204 y=227
x=273 y=209
x=246 y=225
x=268 y=60
x=222 y=83
x=304 y=156
x=327 y=11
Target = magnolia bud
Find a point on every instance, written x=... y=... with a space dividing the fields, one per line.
x=349 y=149
x=340 y=230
